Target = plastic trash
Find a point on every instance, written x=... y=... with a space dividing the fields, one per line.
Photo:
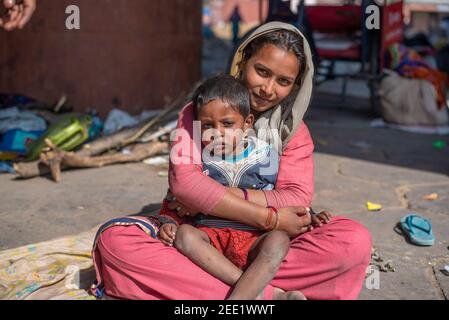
x=6 y=167
x=6 y=155
x=162 y=173
x=96 y=128
x=431 y=197
x=16 y=140
x=440 y=130
x=322 y=142
x=119 y=119
x=446 y=268
x=373 y=206
x=439 y=144
x=361 y=145
x=67 y=134
x=13 y=118
x=156 y=161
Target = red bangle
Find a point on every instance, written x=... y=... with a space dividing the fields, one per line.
x=245 y=193
x=276 y=224
x=268 y=222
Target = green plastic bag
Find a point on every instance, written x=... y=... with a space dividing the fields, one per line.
x=67 y=134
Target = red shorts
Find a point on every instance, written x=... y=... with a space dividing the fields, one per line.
x=233 y=244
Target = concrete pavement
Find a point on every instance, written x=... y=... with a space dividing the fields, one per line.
x=353 y=164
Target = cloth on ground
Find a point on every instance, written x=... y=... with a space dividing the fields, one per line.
x=408 y=63
x=60 y=269
x=13 y=118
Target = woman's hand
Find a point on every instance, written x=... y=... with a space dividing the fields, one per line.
x=18 y=13
x=182 y=210
x=294 y=220
x=167 y=234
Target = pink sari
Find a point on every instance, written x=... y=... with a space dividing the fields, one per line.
x=326 y=263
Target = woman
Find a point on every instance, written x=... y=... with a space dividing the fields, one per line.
x=328 y=262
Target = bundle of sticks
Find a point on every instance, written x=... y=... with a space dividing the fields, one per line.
x=128 y=145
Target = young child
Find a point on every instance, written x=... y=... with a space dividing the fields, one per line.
x=225 y=248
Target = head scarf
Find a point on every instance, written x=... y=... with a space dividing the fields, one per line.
x=282 y=120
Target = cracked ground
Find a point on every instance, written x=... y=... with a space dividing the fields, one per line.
x=353 y=164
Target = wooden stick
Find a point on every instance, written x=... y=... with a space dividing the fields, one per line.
x=56 y=161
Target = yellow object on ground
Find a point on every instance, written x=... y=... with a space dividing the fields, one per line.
x=431 y=197
x=60 y=269
x=373 y=206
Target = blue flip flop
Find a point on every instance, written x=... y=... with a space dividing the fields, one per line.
x=418 y=229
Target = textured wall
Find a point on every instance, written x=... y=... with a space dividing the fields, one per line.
x=131 y=54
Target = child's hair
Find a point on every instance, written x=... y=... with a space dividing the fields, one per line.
x=225 y=88
x=283 y=39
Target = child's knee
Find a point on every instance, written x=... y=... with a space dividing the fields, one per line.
x=277 y=244
x=185 y=236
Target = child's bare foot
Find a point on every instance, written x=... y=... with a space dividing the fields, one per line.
x=279 y=294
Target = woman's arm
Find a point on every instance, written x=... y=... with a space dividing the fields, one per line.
x=201 y=193
x=295 y=182
x=187 y=182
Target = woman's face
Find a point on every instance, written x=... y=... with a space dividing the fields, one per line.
x=270 y=75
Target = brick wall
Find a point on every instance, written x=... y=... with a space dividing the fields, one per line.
x=128 y=54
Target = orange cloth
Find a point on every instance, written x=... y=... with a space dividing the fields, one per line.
x=233 y=244
x=438 y=79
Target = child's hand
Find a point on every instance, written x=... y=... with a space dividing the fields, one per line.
x=321 y=218
x=167 y=234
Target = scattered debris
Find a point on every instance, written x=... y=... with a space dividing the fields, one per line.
x=162 y=173
x=119 y=119
x=440 y=130
x=446 y=270
x=13 y=118
x=55 y=160
x=439 y=144
x=378 y=261
x=6 y=167
x=373 y=206
x=133 y=144
x=67 y=134
x=156 y=161
x=361 y=145
x=322 y=142
x=431 y=197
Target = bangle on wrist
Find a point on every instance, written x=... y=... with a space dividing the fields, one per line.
x=277 y=219
x=276 y=213
x=268 y=222
x=272 y=221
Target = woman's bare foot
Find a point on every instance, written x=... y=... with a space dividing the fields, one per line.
x=279 y=294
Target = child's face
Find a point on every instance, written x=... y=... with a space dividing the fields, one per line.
x=222 y=127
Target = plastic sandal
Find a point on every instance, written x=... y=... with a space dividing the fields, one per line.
x=418 y=230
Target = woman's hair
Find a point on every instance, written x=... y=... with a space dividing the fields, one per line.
x=283 y=39
x=225 y=88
